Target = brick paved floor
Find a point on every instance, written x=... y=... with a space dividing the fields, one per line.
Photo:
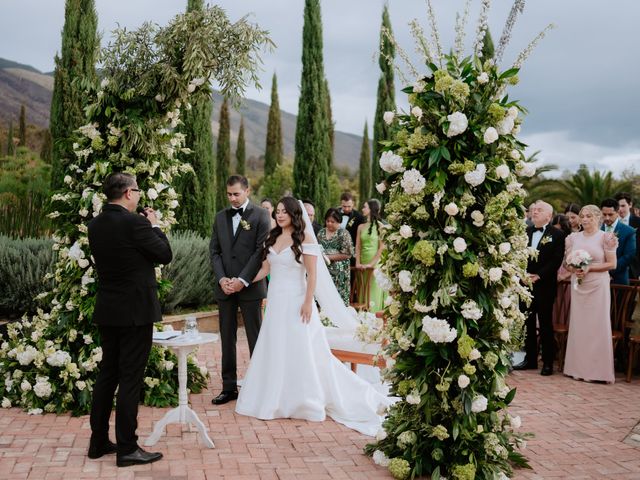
x=580 y=431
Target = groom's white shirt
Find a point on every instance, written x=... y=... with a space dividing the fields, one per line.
x=235 y=222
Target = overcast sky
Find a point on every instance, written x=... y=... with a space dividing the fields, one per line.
x=580 y=85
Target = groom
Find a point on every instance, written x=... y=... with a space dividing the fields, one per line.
x=239 y=233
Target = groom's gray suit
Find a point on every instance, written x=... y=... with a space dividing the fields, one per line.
x=238 y=255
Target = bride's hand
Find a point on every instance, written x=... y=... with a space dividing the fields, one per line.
x=305 y=312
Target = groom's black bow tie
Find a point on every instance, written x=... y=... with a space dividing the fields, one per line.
x=538 y=229
x=234 y=211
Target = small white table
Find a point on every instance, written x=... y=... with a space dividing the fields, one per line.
x=182 y=346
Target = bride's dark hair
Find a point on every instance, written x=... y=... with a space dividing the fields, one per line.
x=292 y=207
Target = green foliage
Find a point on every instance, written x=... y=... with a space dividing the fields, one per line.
x=74 y=67
x=23 y=265
x=364 y=187
x=11 y=146
x=241 y=147
x=223 y=155
x=279 y=183
x=331 y=126
x=189 y=273
x=24 y=197
x=312 y=144
x=385 y=100
x=586 y=187
x=273 y=148
x=22 y=132
x=45 y=151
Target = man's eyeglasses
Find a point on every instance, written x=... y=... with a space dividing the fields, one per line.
x=134 y=189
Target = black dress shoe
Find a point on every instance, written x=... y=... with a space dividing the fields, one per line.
x=224 y=397
x=97 y=451
x=546 y=370
x=139 y=457
x=525 y=366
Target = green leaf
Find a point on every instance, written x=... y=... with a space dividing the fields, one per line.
x=509 y=73
x=444 y=151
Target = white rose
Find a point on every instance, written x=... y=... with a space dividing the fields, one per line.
x=526 y=169
x=505 y=302
x=458 y=123
x=83 y=212
x=391 y=163
x=25 y=386
x=474 y=354
x=388 y=117
x=152 y=193
x=478 y=218
x=381 y=435
x=479 y=404
x=381 y=187
x=449 y=229
x=516 y=130
x=416 y=112
x=404 y=279
x=516 y=422
x=483 y=78
x=418 y=87
x=504 y=248
x=490 y=135
x=477 y=176
x=88 y=340
x=83 y=263
x=463 y=381
x=495 y=274
x=451 y=209
x=405 y=231
x=6 y=403
x=67 y=179
x=438 y=331
x=159 y=98
x=505 y=126
x=504 y=335
x=459 y=245
x=80 y=385
x=512 y=112
x=413 y=398
x=502 y=171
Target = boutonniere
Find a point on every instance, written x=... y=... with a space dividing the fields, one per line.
x=245 y=225
x=350 y=223
x=546 y=240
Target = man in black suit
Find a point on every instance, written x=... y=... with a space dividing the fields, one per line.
x=310 y=207
x=625 y=211
x=237 y=242
x=351 y=218
x=542 y=272
x=125 y=247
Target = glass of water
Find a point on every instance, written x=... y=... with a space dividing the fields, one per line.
x=190 y=329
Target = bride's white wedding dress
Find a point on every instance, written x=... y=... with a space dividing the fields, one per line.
x=292 y=373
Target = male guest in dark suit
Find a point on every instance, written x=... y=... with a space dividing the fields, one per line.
x=626 y=251
x=310 y=207
x=351 y=218
x=126 y=246
x=542 y=272
x=625 y=209
x=238 y=237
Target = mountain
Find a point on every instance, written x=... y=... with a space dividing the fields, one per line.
x=23 y=84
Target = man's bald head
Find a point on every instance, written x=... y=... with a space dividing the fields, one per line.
x=541 y=213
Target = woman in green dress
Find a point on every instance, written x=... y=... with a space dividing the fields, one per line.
x=369 y=248
x=338 y=249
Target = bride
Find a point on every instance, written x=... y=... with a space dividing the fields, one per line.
x=292 y=373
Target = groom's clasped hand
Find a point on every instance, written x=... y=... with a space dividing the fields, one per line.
x=231 y=285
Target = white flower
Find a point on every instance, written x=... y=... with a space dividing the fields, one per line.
x=42 y=388
x=25 y=386
x=459 y=245
x=379 y=458
x=451 y=209
x=83 y=212
x=458 y=123
x=483 y=78
x=512 y=112
x=502 y=171
x=474 y=354
x=382 y=280
x=504 y=248
x=59 y=358
x=516 y=422
x=418 y=86
x=414 y=398
x=83 y=263
x=6 y=403
x=413 y=182
x=391 y=163
x=438 y=330
x=471 y=311
x=505 y=126
x=191 y=88
x=504 y=335
x=35 y=411
x=450 y=229
x=463 y=381
x=515 y=154
x=479 y=404
x=104 y=83
x=80 y=385
x=505 y=301
x=381 y=434
x=152 y=193
x=76 y=252
x=490 y=135
x=416 y=112
x=388 y=117
x=495 y=274
x=404 y=279
x=478 y=218
x=516 y=130
x=381 y=187
x=477 y=176
x=526 y=169
x=87 y=339
x=381 y=410
x=168 y=365
x=405 y=231
x=67 y=179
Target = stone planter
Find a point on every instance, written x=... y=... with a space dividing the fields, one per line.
x=208 y=322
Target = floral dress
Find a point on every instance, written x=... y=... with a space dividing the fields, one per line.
x=340 y=272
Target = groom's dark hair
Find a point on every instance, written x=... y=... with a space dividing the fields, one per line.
x=116 y=184
x=242 y=180
x=609 y=203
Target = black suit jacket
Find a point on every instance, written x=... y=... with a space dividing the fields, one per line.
x=550 y=255
x=240 y=255
x=355 y=220
x=634 y=267
x=125 y=249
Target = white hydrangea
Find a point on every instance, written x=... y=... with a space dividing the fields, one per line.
x=502 y=171
x=413 y=182
x=479 y=404
x=463 y=381
x=59 y=358
x=495 y=274
x=380 y=458
x=459 y=245
x=42 y=388
x=35 y=411
x=6 y=403
x=391 y=163
x=451 y=209
x=490 y=135
x=26 y=356
x=382 y=280
x=405 y=231
x=404 y=279
x=388 y=117
x=438 y=330
x=477 y=176
x=25 y=386
x=413 y=398
x=483 y=78
x=505 y=126
x=471 y=311
x=458 y=123
x=75 y=252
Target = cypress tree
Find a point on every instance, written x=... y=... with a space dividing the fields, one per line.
x=331 y=126
x=80 y=44
x=273 y=149
x=198 y=189
x=241 y=150
x=365 y=166
x=312 y=147
x=386 y=100
x=11 y=148
x=45 y=151
x=223 y=155
x=22 y=132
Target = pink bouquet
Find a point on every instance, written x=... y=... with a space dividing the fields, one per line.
x=578 y=259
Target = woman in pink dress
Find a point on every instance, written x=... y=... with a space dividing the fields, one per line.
x=589 y=346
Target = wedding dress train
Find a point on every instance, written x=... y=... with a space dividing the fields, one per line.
x=292 y=373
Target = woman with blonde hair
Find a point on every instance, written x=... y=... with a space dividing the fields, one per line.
x=589 y=347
